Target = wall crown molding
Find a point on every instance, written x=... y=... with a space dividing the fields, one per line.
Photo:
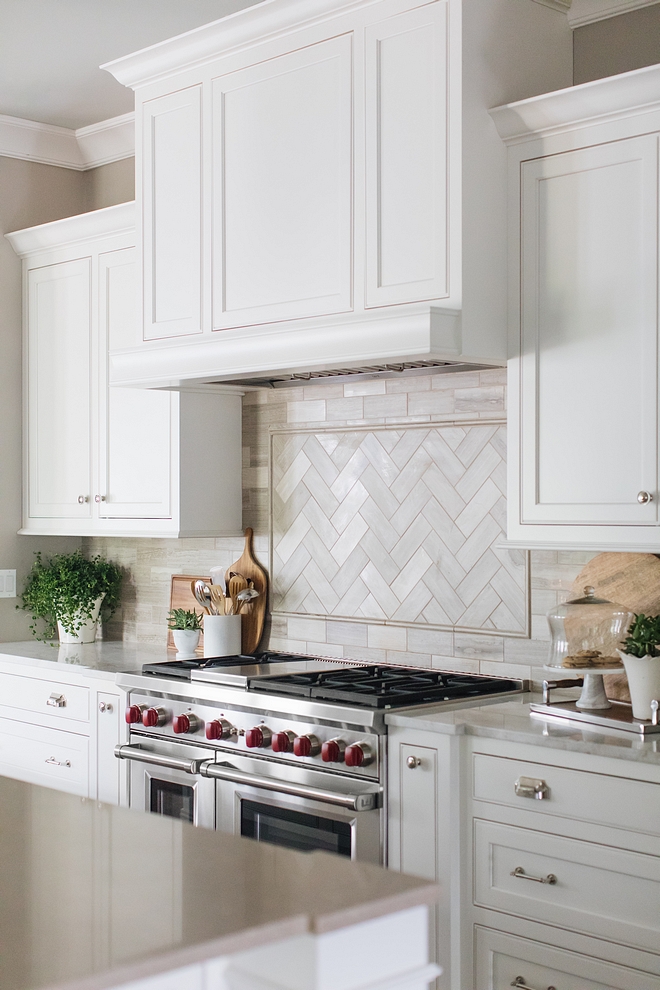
x=82 y=149
x=583 y=12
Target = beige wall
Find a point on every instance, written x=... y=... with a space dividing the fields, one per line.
x=617 y=44
x=31 y=193
x=109 y=184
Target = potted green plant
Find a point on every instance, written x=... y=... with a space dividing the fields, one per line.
x=641 y=658
x=186 y=627
x=68 y=592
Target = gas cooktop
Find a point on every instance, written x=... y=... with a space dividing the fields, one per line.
x=369 y=686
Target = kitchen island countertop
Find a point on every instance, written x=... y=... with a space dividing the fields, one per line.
x=511 y=720
x=92 y=896
x=102 y=658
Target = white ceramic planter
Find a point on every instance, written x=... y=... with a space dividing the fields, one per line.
x=87 y=632
x=186 y=641
x=643 y=675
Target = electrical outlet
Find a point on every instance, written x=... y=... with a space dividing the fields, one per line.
x=7 y=584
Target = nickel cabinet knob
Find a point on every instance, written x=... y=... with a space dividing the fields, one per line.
x=413 y=762
x=82 y=499
x=99 y=498
x=644 y=497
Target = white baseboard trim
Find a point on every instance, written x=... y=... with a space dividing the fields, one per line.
x=82 y=149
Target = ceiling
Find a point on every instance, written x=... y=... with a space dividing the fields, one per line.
x=50 y=52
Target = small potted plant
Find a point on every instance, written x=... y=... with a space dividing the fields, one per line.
x=69 y=592
x=186 y=627
x=641 y=658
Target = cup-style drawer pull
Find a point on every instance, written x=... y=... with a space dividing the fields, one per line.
x=57 y=701
x=58 y=763
x=520 y=983
x=412 y=762
x=521 y=875
x=532 y=787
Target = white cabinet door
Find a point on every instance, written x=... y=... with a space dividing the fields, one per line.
x=407 y=126
x=135 y=442
x=588 y=348
x=282 y=175
x=109 y=769
x=172 y=213
x=58 y=404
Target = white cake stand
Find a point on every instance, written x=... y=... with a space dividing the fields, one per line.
x=592 y=697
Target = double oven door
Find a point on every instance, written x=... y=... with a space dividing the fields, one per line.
x=291 y=806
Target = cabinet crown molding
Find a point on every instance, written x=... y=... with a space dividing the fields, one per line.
x=592 y=102
x=583 y=12
x=252 y=25
x=111 y=220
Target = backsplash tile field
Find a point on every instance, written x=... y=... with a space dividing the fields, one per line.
x=456 y=601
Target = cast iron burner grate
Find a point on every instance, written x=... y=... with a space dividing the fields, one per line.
x=383 y=687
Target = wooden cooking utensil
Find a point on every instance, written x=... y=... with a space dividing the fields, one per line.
x=253 y=614
x=237 y=583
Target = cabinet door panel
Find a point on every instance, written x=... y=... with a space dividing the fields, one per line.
x=589 y=335
x=58 y=346
x=135 y=429
x=282 y=187
x=407 y=134
x=419 y=799
x=172 y=155
x=108 y=768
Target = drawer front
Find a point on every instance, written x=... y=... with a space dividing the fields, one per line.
x=504 y=961
x=574 y=794
x=596 y=889
x=50 y=757
x=30 y=694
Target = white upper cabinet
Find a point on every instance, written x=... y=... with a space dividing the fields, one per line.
x=583 y=399
x=101 y=459
x=321 y=185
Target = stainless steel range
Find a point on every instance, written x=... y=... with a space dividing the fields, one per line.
x=282 y=748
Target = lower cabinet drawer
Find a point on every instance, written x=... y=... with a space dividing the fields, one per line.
x=503 y=961
x=50 y=757
x=582 y=886
x=31 y=694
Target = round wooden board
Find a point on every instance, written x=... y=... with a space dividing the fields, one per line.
x=630 y=579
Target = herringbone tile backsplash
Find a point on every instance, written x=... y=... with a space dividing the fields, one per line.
x=382 y=507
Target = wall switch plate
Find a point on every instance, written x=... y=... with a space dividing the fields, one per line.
x=7 y=584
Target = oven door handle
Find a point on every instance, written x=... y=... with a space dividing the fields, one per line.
x=366 y=801
x=157 y=759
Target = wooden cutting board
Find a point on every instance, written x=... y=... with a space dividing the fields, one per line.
x=630 y=579
x=254 y=613
x=181 y=596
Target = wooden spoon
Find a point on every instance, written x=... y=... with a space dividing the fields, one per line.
x=237 y=583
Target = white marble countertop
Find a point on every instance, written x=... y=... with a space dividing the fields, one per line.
x=92 y=896
x=96 y=659
x=511 y=720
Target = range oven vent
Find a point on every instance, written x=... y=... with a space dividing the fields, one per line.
x=401 y=369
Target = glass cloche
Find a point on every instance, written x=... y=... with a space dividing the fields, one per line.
x=588 y=623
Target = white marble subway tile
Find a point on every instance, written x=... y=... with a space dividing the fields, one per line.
x=433 y=641
x=306 y=629
x=345 y=408
x=526 y=651
x=461 y=666
x=306 y=412
x=323 y=391
x=504 y=669
x=388 y=406
x=365 y=388
x=330 y=650
x=479 y=399
x=430 y=403
x=452 y=380
x=409 y=659
x=473 y=647
x=416 y=383
x=493 y=376
x=347 y=634
x=540 y=628
x=575 y=558
x=387 y=638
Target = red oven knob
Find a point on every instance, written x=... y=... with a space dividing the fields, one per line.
x=333 y=751
x=358 y=755
x=258 y=738
x=186 y=723
x=219 y=728
x=152 y=717
x=134 y=713
x=306 y=746
x=283 y=742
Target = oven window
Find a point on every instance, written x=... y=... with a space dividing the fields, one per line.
x=173 y=800
x=293 y=829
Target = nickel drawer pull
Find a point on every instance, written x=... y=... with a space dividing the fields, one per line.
x=58 y=763
x=520 y=983
x=520 y=873
x=57 y=701
x=532 y=787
